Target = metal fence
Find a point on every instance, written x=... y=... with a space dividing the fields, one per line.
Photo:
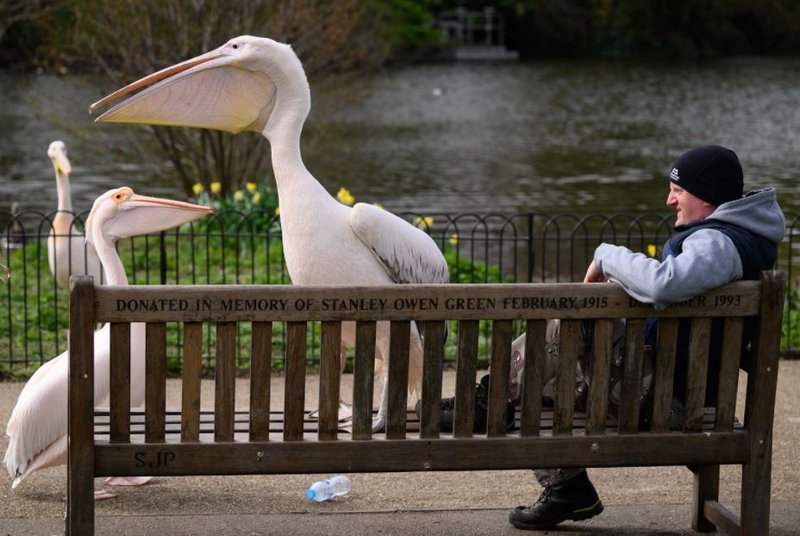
x=238 y=248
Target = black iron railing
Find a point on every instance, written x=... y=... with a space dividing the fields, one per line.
x=237 y=248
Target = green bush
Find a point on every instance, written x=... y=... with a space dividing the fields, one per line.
x=790 y=330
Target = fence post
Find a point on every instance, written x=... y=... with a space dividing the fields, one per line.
x=162 y=257
x=530 y=247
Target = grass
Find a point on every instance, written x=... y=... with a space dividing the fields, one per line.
x=790 y=330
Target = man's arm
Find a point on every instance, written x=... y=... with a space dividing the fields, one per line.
x=709 y=259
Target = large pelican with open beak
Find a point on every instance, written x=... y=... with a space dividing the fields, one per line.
x=257 y=84
x=67 y=250
x=37 y=428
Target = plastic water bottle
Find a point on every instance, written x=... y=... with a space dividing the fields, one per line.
x=325 y=490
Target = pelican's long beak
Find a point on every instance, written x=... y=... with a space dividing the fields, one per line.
x=139 y=215
x=153 y=214
x=210 y=91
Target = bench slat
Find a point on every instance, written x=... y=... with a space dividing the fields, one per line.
x=569 y=348
x=156 y=384
x=603 y=337
x=192 y=368
x=399 y=342
x=466 y=370
x=225 y=381
x=363 y=379
x=533 y=377
x=294 y=394
x=330 y=367
x=433 y=351
x=729 y=374
x=697 y=373
x=260 y=372
x=502 y=331
x=631 y=392
x=120 y=371
x=666 y=348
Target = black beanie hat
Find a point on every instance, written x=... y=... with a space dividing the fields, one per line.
x=711 y=172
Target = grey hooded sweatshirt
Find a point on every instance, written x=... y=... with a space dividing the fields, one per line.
x=708 y=259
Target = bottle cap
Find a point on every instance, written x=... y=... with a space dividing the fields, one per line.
x=310 y=493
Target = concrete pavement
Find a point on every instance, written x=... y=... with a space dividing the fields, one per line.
x=639 y=501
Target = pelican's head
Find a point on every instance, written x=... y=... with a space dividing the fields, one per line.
x=57 y=152
x=121 y=213
x=233 y=88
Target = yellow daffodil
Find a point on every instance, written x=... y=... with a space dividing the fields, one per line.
x=344 y=196
x=453 y=239
x=251 y=186
x=197 y=188
x=277 y=211
x=423 y=222
x=651 y=250
x=215 y=187
x=238 y=195
x=256 y=197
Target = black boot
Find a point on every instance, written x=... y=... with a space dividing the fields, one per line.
x=574 y=499
x=447 y=415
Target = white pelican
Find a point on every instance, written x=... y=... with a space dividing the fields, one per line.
x=67 y=251
x=37 y=428
x=257 y=84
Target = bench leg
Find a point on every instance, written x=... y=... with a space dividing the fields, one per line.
x=80 y=505
x=756 y=491
x=706 y=487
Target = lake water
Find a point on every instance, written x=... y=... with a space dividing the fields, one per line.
x=551 y=136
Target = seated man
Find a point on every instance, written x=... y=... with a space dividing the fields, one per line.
x=720 y=236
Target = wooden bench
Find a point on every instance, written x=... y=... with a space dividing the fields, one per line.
x=269 y=440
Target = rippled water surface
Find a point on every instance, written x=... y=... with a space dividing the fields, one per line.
x=579 y=136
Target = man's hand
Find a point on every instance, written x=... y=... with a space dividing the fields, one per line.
x=593 y=275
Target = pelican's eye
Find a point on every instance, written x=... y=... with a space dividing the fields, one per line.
x=118 y=198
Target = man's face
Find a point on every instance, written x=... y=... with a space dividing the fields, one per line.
x=689 y=209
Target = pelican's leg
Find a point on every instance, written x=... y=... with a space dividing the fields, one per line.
x=99 y=495
x=127 y=480
x=379 y=421
x=102 y=495
x=348 y=333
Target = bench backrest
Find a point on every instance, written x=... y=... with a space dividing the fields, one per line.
x=507 y=308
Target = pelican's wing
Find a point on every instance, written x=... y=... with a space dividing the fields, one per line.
x=37 y=428
x=39 y=418
x=408 y=254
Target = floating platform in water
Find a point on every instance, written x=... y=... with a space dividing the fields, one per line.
x=485 y=53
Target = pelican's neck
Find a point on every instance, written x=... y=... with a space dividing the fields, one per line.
x=62 y=222
x=294 y=182
x=64 y=195
x=112 y=264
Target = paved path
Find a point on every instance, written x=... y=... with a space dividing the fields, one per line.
x=639 y=501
